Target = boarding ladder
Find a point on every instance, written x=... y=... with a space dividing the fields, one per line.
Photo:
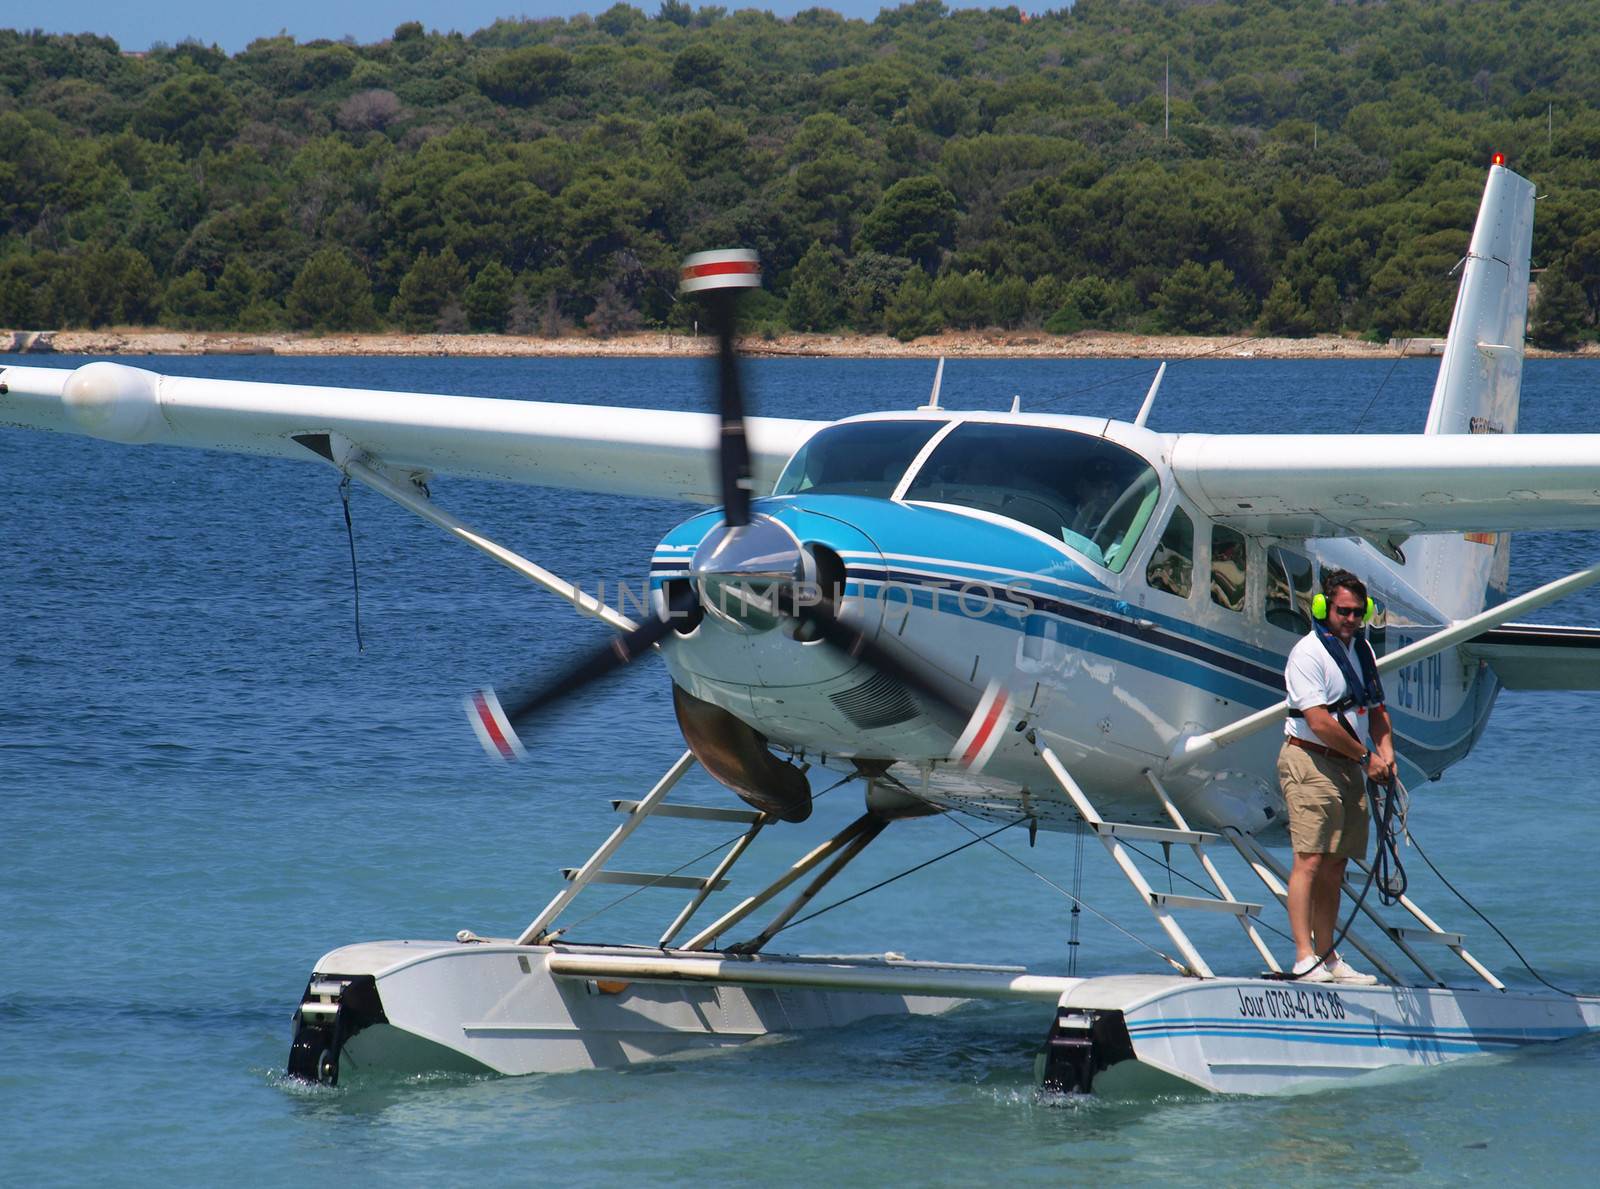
x=831 y=856
x=1273 y=876
x=654 y=804
x=1162 y=904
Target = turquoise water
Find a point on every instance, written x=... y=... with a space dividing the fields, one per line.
x=204 y=787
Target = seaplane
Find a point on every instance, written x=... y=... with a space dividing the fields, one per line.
x=1071 y=622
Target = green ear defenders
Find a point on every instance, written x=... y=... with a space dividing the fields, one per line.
x=1319 y=609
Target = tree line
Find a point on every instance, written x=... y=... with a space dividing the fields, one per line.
x=1293 y=166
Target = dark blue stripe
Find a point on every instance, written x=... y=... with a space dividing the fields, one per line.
x=1113 y=624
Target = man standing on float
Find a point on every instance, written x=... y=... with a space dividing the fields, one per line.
x=1337 y=737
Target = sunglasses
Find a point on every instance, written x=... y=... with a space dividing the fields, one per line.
x=1347 y=611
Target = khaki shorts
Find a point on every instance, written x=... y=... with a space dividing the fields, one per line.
x=1327 y=803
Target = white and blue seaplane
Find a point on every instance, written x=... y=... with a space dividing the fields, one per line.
x=1070 y=620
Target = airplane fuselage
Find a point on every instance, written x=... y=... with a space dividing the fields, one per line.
x=1145 y=624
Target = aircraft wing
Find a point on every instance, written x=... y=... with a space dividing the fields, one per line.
x=640 y=452
x=1391 y=485
x=1540 y=656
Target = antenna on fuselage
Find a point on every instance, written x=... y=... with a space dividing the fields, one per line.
x=1150 y=397
x=938 y=379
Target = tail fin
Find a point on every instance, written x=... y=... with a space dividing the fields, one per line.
x=1480 y=385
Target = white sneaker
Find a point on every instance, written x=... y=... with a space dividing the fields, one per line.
x=1342 y=972
x=1309 y=970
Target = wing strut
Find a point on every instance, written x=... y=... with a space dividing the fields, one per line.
x=1190 y=749
x=410 y=498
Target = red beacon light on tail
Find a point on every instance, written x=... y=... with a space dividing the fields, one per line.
x=1497 y=159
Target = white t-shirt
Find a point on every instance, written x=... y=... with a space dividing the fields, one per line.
x=1314 y=679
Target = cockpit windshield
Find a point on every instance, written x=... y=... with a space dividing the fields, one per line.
x=1093 y=495
x=856 y=458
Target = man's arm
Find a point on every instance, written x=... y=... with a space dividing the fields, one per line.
x=1333 y=736
x=1381 y=769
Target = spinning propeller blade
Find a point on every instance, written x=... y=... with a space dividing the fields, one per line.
x=496 y=725
x=718 y=277
x=985 y=724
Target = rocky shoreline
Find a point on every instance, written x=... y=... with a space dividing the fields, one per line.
x=1088 y=344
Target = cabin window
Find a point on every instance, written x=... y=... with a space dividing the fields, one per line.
x=856 y=458
x=1229 y=565
x=1289 y=580
x=1092 y=495
x=1171 y=567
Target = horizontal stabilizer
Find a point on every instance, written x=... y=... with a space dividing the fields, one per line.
x=1540 y=656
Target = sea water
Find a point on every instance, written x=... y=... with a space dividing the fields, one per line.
x=204 y=786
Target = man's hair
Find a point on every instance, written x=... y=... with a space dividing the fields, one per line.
x=1333 y=580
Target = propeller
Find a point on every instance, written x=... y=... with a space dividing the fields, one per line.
x=497 y=726
x=717 y=277
x=755 y=561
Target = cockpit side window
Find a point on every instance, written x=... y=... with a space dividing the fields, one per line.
x=856 y=458
x=1171 y=568
x=1289 y=578
x=1093 y=495
x=1229 y=567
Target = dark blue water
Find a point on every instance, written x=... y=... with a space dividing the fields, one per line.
x=203 y=787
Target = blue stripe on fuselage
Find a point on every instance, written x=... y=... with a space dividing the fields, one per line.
x=1106 y=620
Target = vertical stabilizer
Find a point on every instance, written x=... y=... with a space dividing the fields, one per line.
x=1479 y=385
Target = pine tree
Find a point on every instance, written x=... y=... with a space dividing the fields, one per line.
x=1285 y=314
x=911 y=313
x=332 y=293
x=816 y=297
x=431 y=284
x=488 y=299
x=1200 y=300
x=1558 y=313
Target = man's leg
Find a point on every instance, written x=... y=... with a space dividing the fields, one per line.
x=1304 y=877
x=1325 y=891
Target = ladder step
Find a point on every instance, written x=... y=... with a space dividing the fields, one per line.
x=1154 y=833
x=645 y=879
x=704 y=813
x=1400 y=933
x=1237 y=907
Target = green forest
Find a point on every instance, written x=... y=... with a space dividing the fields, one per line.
x=1317 y=169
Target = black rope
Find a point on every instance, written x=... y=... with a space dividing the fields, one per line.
x=1387 y=868
x=1526 y=964
x=355 y=580
x=1381 y=386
